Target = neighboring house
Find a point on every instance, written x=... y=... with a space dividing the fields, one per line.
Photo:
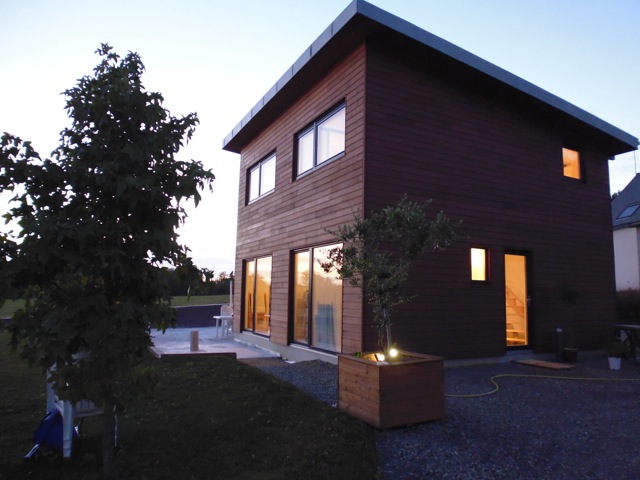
x=377 y=108
x=625 y=211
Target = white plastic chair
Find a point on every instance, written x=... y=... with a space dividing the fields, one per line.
x=224 y=322
x=69 y=412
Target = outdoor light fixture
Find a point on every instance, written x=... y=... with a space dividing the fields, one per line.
x=393 y=353
x=379 y=357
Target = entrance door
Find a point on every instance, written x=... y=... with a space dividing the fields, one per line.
x=516 y=304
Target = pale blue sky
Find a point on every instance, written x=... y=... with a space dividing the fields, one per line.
x=218 y=58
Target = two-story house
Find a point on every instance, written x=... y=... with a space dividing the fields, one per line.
x=377 y=108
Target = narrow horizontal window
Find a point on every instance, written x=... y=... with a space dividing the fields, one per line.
x=262 y=178
x=321 y=141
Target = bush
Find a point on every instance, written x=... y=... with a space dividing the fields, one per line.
x=628 y=306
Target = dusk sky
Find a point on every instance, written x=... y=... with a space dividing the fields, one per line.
x=218 y=58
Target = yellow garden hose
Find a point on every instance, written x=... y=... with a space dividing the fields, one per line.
x=514 y=375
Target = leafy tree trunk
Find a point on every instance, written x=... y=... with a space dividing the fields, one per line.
x=109 y=466
x=388 y=332
x=377 y=254
x=98 y=223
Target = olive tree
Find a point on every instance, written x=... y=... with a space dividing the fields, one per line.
x=97 y=225
x=379 y=252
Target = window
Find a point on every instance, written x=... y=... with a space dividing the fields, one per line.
x=629 y=211
x=317 y=301
x=262 y=178
x=479 y=264
x=257 y=295
x=571 y=163
x=321 y=141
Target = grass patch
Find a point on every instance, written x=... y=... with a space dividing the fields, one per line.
x=210 y=417
x=199 y=300
x=10 y=306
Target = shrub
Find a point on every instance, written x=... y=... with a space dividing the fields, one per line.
x=628 y=306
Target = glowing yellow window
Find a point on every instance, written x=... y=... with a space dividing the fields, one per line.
x=571 y=163
x=478 y=264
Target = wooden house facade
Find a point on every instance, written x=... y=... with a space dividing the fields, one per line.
x=377 y=109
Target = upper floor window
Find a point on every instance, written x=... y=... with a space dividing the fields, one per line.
x=571 y=163
x=262 y=178
x=321 y=141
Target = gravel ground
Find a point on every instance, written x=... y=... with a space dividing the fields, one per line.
x=531 y=428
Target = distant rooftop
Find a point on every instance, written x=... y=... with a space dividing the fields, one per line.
x=359 y=21
x=625 y=208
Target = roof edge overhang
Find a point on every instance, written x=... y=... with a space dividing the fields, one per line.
x=353 y=26
x=620 y=226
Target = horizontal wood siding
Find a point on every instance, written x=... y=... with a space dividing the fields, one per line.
x=359 y=389
x=498 y=168
x=296 y=215
x=392 y=394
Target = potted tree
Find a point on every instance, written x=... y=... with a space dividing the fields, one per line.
x=615 y=350
x=390 y=387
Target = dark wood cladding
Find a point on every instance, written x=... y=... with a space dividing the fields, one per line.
x=297 y=213
x=484 y=158
x=498 y=168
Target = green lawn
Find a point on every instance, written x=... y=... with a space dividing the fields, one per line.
x=10 y=306
x=209 y=418
x=199 y=300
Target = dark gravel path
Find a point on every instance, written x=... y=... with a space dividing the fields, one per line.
x=531 y=428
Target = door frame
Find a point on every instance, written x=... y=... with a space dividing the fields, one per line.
x=527 y=255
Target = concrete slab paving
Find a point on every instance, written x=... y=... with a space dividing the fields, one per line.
x=179 y=341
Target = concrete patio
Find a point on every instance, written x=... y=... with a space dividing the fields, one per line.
x=211 y=341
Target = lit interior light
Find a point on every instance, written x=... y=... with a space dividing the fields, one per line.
x=479 y=264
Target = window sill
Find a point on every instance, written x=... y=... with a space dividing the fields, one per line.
x=319 y=166
x=251 y=202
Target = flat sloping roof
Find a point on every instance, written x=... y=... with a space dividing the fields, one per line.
x=358 y=22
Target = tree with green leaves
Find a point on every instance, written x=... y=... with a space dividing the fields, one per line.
x=98 y=222
x=378 y=253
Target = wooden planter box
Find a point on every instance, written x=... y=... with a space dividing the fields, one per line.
x=389 y=395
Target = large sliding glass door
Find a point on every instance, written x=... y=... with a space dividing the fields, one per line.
x=301 y=294
x=317 y=301
x=257 y=295
x=249 y=294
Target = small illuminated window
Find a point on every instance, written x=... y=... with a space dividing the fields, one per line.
x=571 y=163
x=479 y=264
